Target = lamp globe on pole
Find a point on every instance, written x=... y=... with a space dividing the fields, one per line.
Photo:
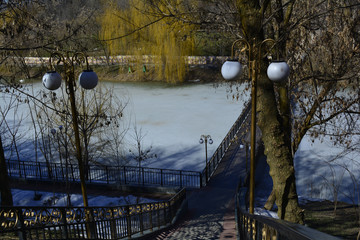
x=51 y=80
x=231 y=69
x=276 y=72
x=87 y=80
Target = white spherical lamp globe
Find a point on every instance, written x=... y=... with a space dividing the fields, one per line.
x=231 y=69
x=88 y=79
x=51 y=80
x=278 y=71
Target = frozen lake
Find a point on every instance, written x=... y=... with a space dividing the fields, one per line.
x=174 y=118
x=171 y=118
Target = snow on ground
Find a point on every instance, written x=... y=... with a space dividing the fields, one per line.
x=40 y=198
x=325 y=171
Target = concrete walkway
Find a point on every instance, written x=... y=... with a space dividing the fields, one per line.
x=211 y=213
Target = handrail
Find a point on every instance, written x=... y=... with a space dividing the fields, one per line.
x=225 y=144
x=104 y=174
x=255 y=227
x=88 y=223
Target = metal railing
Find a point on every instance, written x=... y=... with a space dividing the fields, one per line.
x=104 y=174
x=255 y=227
x=88 y=223
x=224 y=145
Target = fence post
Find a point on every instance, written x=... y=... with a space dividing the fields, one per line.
x=200 y=176
x=88 y=170
x=181 y=178
x=143 y=177
x=124 y=174
x=141 y=222
x=39 y=171
x=165 y=215
x=107 y=174
x=56 y=175
x=22 y=233
x=24 y=170
x=72 y=172
x=158 y=216
x=64 y=231
x=161 y=177
x=113 y=231
x=151 y=220
x=8 y=168
x=128 y=221
x=19 y=164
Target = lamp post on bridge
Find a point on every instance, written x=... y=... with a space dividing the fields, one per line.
x=87 y=80
x=206 y=139
x=277 y=71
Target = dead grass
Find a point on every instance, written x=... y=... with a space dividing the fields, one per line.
x=344 y=222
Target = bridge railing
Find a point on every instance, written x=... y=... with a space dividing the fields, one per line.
x=104 y=174
x=88 y=223
x=224 y=145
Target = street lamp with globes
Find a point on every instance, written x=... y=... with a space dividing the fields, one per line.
x=277 y=71
x=207 y=139
x=87 y=80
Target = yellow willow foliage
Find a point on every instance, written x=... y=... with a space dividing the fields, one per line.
x=136 y=30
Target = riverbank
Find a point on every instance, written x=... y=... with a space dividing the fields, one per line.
x=125 y=73
x=147 y=73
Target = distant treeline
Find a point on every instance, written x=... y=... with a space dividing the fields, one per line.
x=129 y=59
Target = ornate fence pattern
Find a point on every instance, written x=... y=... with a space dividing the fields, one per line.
x=87 y=223
x=104 y=174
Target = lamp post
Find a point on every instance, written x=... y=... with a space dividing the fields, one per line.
x=88 y=80
x=206 y=139
x=277 y=72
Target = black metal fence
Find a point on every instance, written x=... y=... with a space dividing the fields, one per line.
x=104 y=174
x=225 y=144
x=88 y=223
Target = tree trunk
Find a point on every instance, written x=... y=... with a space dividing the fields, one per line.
x=275 y=135
x=278 y=153
x=6 y=196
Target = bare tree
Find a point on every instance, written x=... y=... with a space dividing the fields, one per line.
x=140 y=154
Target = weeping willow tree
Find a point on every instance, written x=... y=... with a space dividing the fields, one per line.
x=136 y=29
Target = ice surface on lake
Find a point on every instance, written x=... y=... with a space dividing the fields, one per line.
x=174 y=117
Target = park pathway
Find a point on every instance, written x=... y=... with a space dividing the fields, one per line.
x=211 y=213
